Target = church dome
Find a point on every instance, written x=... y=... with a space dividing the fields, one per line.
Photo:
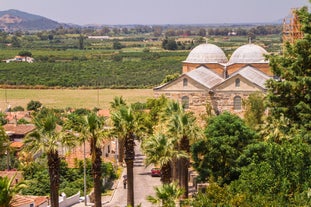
x=249 y=53
x=206 y=53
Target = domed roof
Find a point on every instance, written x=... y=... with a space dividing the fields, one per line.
x=206 y=53
x=249 y=53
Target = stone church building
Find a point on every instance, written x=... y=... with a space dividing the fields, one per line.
x=210 y=80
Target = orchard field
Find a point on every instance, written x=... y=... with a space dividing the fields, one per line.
x=122 y=58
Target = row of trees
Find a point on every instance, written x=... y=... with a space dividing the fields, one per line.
x=111 y=73
x=83 y=126
x=157 y=30
x=47 y=139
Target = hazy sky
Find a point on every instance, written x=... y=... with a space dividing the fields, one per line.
x=156 y=12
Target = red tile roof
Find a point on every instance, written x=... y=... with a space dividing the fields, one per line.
x=21 y=129
x=103 y=112
x=19 y=200
x=10 y=173
x=39 y=199
x=17 y=115
x=16 y=144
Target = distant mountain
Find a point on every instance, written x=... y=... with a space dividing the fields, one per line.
x=13 y=20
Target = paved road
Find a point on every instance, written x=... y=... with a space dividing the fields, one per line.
x=143 y=184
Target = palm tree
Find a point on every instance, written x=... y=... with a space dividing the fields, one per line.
x=182 y=127
x=8 y=191
x=95 y=133
x=276 y=130
x=166 y=195
x=117 y=102
x=115 y=105
x=75 y=123
x=91 y=129
x=127 y=127
x=160 y=150
x=47 y=140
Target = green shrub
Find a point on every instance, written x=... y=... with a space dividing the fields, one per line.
x=18 y=108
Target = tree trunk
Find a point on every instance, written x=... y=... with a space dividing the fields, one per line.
x=166 y=173
x=121 y=150
x=96 y=170
x=184 y=176
x=129 y=159
x=174 y=166
x=54 y=168
x=184 y=165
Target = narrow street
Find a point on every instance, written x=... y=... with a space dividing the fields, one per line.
x=143 y=184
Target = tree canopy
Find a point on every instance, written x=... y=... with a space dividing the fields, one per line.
x=290 y=93
x=216 y=155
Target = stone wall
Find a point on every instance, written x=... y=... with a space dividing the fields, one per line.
x=216 y=67
x=219 y=101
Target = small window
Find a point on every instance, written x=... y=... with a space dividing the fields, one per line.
x=185 y=102
x=237 y=82
x=185 y=82
x=237 y=103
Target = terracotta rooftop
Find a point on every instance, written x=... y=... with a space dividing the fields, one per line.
x=22 y=200
x=39 y=199
x=16 y=144
x=103 y=112
x=21 y=129
x=11 y=173
x=17 y=115
x=19 y=200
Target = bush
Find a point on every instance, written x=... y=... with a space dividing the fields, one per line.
x=22 y=121
x=33 y=105
x=18 y=108
x=25 y=53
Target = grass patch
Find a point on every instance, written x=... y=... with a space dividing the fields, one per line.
x=74 y=98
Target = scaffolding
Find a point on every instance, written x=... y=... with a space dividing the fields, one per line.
x=292 y=28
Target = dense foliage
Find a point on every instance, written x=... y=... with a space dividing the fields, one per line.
x=290 y=95
x=126 y=70
x=37 y=178
x=273 y=170
x=216 y=156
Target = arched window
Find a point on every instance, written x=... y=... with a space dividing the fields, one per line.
x=185 y=82
x=237 y=82
x=185 y=102
x=237 y=103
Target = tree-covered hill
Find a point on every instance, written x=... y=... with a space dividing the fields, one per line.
x=13 y=20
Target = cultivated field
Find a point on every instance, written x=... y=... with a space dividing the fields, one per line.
x=74 y=98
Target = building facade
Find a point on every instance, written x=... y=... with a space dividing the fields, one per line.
x=210 y=80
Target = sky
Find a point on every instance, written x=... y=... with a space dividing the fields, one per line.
x=122 y=12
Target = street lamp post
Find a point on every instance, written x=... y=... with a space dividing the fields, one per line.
x=84 y=173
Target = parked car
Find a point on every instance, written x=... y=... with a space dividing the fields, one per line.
x=155 y=172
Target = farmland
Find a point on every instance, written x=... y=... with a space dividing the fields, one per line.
x=72 y=70
x=133 y=57
x=73 y=98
